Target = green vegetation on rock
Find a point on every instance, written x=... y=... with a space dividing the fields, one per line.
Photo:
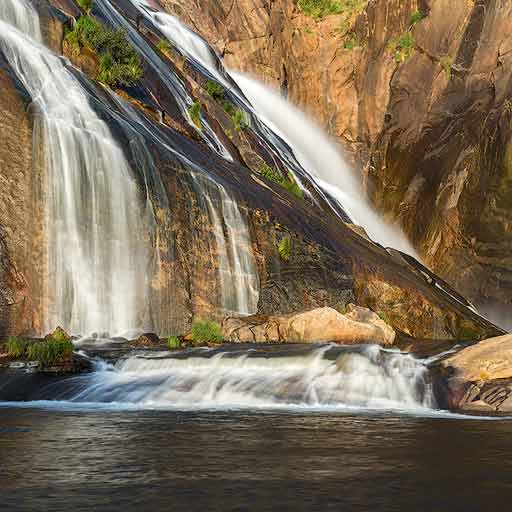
x=85 y=5
x=416 y=17
x=402 y=47
x=194 y=111
x=119 y=63
x=284 y=247
x=240 y=120
x=446 y=63
x=214 y=89
x=173 y=342
x=15 y=347
x=288 y=182
x=206 y=332
x=51 y=350
x=318 y=9
x=163 y=46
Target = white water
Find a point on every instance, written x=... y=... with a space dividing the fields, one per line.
x=238 y=275
x=96 y=221
x=320 y=157
x=315 y=152
x=371 y=378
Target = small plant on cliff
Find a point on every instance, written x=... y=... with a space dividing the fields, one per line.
x=194 y=111
x=173 y=342
x=319 y=8
x=384 y=317
x=284 y=247
x=206 y=332
x=446 y=63
x=287 y=182
x=214 y=89
x=86 y=5
x=119 y=63
x=402 y=47
x=163 y=46
x=240 y=120
x=15 y=347
x=416 y=17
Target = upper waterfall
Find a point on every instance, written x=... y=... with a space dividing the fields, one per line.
x=97 y=228
x=320 y=159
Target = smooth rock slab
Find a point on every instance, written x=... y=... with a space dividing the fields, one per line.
x=359 y=325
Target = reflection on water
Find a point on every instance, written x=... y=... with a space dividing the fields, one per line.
x=162 y=460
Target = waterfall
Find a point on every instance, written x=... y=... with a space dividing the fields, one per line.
x=321 y=159
x=328 y=376
x=97 y=235
x=316 y=154
x=21 y=14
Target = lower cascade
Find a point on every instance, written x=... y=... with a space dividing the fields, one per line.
x=326 y=376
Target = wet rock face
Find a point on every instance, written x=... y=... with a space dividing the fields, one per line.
x=429 y=128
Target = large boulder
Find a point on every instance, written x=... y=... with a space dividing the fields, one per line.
x=479 y=377
x=326 y=324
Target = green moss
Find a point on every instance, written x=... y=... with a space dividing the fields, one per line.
x=173 y=342
x=402 y=47
x=446 y=63
x=284 y=247
x=319 y=8
x=416 y=17
x=194 y=111
x=163 y=46
x=214 y=89
x=240 y=121
x=288 y=182
x=85 y=5
x=119 y=63
x=206 y=332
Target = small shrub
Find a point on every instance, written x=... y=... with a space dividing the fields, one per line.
x=85 y=5
x=194 y=111
x=206 y=332
x=239 y=120
x=229 y=108
x=50 y=351
x=214 y=89
x=416 y=17
x=350 y=41
x=319 y=8
x=287 y=182
x=402 y=47
x=15 y=347
x=446 y=63
x=284 y=247
x=173 y=342
x=163 y=46
x=119 y=63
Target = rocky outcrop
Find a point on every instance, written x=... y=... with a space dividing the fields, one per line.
x=359 y=325
x=479 y=377
x=418 y=92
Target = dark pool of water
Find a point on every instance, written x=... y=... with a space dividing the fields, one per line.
x=156 y=461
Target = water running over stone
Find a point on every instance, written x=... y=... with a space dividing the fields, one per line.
x=367 y=377
x=96 y=219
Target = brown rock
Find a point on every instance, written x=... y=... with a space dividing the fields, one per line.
x=318 y=325
x=146 y=340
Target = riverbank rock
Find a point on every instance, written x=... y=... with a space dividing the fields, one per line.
x=146 y=340
x=359 y=325
x=479 y=377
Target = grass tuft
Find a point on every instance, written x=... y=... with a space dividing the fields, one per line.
x=206 y=332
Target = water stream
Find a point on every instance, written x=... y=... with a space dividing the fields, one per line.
x=97 y=234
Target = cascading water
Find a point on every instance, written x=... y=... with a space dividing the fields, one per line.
x=368 y=377
x=98 y=239
x=317 y=155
